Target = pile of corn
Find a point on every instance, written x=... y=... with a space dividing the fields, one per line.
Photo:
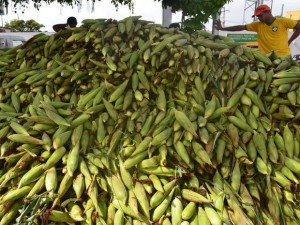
x=129 y=122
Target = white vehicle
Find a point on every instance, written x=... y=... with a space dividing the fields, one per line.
x=296 y=58
x=13 y=39
x=10 y=41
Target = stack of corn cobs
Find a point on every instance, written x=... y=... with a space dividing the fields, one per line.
x=129 y=122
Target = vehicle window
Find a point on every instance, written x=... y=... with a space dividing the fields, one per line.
x=16 y=43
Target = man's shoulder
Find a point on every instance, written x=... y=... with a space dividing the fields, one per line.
x=60 y=25
x=254 y=24
x=286 y=21
x=283 y=19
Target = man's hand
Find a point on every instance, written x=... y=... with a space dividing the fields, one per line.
x=218 y=25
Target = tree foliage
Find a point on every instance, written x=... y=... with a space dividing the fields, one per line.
x=24 y=26
x=195 y=12
x=37 y=3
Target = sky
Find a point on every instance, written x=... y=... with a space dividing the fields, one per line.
x=151 y=10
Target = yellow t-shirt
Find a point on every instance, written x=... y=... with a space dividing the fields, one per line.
x=273 y=37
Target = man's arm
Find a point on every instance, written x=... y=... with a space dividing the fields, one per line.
x=58 y=27
x=218 y=26
x=296 y=33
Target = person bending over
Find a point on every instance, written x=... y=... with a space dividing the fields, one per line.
x=71 y=22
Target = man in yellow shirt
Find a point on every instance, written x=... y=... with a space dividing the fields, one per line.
x=272 y=31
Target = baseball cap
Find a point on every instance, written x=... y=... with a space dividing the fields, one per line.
x=260 y=9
